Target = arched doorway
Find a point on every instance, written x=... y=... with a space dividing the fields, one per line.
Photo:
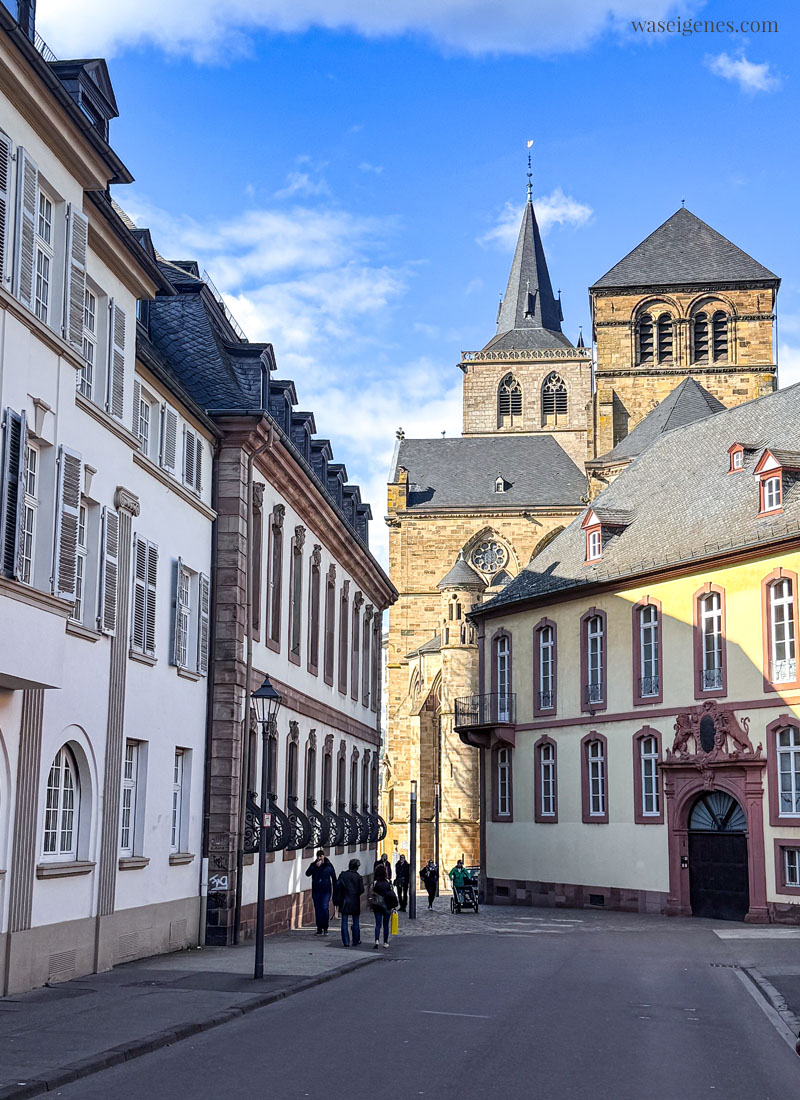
x=718 y=869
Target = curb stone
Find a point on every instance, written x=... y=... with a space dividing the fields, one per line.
x=126 y=1052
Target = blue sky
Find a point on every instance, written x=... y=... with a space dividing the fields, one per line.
x=351 y=174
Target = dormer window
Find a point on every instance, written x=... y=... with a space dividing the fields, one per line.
x=594 y=544
x=736 y=454
x=771 y=495
x=499 y=485
x=770 y=470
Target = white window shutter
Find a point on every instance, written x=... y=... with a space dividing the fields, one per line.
x=137 y=397
x=12 y=488
x=75 y=280
x=115 y=391
x=5 y=196
x=109 y=572
x=203 y=623
x=178 y=605
x=27 y=199
x=139 y=610
x=169 y=439
x=150 y=617
x=68 y=502
x=188 y=457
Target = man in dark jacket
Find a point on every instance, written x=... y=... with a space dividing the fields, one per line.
x=349 y=889
x=430 y=880
x=402 y=879
x=323 y=880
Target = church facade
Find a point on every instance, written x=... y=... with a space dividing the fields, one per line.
x=682 y=327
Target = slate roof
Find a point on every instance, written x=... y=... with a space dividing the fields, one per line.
x=530 y=316
x=684 y=250
x=462 y=575
x=687 y=403
x=461 y=472
x=687 y=505
x=433 y=645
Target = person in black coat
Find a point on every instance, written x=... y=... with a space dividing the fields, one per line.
x=323 y=880
x=349 y=889
x=382 y=900
x=402 y=880
x=430 y=880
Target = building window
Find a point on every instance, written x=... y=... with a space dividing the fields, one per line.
x=355 y=642
x=313 y=612
x=594 y=544
x=546 y=793
x=509 y=403
x=183 y=613
x=292 y=752
x=719 y=336
x=665 y=338
x=296 y=595
x=62 y=806
x=130 y=774
x=594 y=779
x=344 y=615
x=311 y=776
x=80 y=564
x=145 y=576
x=700 y=339
x=791 y=867
x=645 y=340
x=275 y=576
x=489 y=556
x=366 y=647
x=648 y=643
x=737 y=458
x=648 y=749
x=503 y=774
x=771 y=494
x=30 y=510
x=782 y=660
x=44 y=259
x=330 y=624
x=544 y=667
x=711 y=635
x=89 y=342
x=595 y=655
x=555 y=404
x=788 y=754
x=176 y=827
x=502 y=674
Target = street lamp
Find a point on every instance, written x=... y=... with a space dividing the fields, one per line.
x=412 y=847
x=266 y=702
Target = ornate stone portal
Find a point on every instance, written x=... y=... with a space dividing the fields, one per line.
x=712 y=751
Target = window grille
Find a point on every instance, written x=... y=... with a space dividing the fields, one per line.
x=645 y=338
x=665 y=338
x=719 y=336
x=555 y=404
x=509 y=402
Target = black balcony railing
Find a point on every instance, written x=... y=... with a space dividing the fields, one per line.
x=593 y=693
x=497 y=709
x=648 y=685
x=547 y=700
x=711 y=679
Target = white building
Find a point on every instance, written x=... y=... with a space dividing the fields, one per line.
x=105 y=519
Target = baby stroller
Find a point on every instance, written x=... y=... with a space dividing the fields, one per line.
x=465 y=896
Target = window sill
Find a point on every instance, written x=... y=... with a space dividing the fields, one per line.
x=142 y=658
x=133 y=863
x=172 y=483
x=24 y=593
x=180 y=859
x=64 y=870
x=102 y=417
x=80 y=631
x=189 y=674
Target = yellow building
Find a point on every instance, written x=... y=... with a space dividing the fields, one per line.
x=639 y=711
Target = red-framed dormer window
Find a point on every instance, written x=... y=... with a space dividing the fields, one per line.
x=769 y=471
x=594 y=537
x=736 y=456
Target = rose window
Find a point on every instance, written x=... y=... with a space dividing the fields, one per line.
x=489 y=556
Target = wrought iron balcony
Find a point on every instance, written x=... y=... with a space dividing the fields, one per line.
x=711 y=679
x=648 y=685
x=784 y=672
x=593 y=693
x=547 y=700
x=496 y=709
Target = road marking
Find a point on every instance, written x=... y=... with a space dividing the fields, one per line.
x=470 y=1015
x=766 y=933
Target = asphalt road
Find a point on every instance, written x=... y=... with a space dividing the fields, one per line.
x=588 y=1009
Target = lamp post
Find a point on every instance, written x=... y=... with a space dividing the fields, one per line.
x=266 y=702
x=412 y=848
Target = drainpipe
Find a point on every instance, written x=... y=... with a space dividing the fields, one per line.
x=248 y=628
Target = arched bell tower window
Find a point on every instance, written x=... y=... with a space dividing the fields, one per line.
x=700 y=339
x=509 y=403
x=719 y=336
x=665 y=338
x=555 y=406
x=645 y=338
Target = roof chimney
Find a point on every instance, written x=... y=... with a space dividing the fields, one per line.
x=26 y=17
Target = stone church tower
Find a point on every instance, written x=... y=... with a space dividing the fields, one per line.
x=465 y=515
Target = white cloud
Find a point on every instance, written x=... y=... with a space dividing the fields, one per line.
x=748 y=75
x=210 y=31
x=553 y=209
x=301 y=184
x=375 y=169
x=789 y=365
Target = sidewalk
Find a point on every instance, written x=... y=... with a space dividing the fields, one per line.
x=55 y=1035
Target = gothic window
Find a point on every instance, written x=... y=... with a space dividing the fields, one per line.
x=509 y=403
x=555 y=406
x=645 y=338
x=700 y=339
x=719 y=336
x=489 y=556
x=665 y=338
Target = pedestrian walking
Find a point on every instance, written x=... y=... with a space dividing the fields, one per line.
x=402 y=880
x=383 y=861
x=323 y=880
x=430 y=880
x=382 y=901
x=349 y=888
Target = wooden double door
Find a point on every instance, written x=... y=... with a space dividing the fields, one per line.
x=718 y=864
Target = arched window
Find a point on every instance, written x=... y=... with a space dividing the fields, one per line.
x=780 y=630
x=546 y=808
x=544 y=667
x=503 y=780
x=788 y=754
x=665 y=338
x=719 y=336
x=645 y=338
x=648 y=642
x=509 y=403
x=555 y=406
x=502 y=677
x=647 y=800
x=711 y=632
x=594 y=780
x=594 y=638
x=700 y=339
x=62 y=807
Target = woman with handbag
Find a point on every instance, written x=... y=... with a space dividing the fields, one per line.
x=382 y=900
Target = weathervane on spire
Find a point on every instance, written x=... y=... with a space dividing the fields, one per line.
x=530 y=173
